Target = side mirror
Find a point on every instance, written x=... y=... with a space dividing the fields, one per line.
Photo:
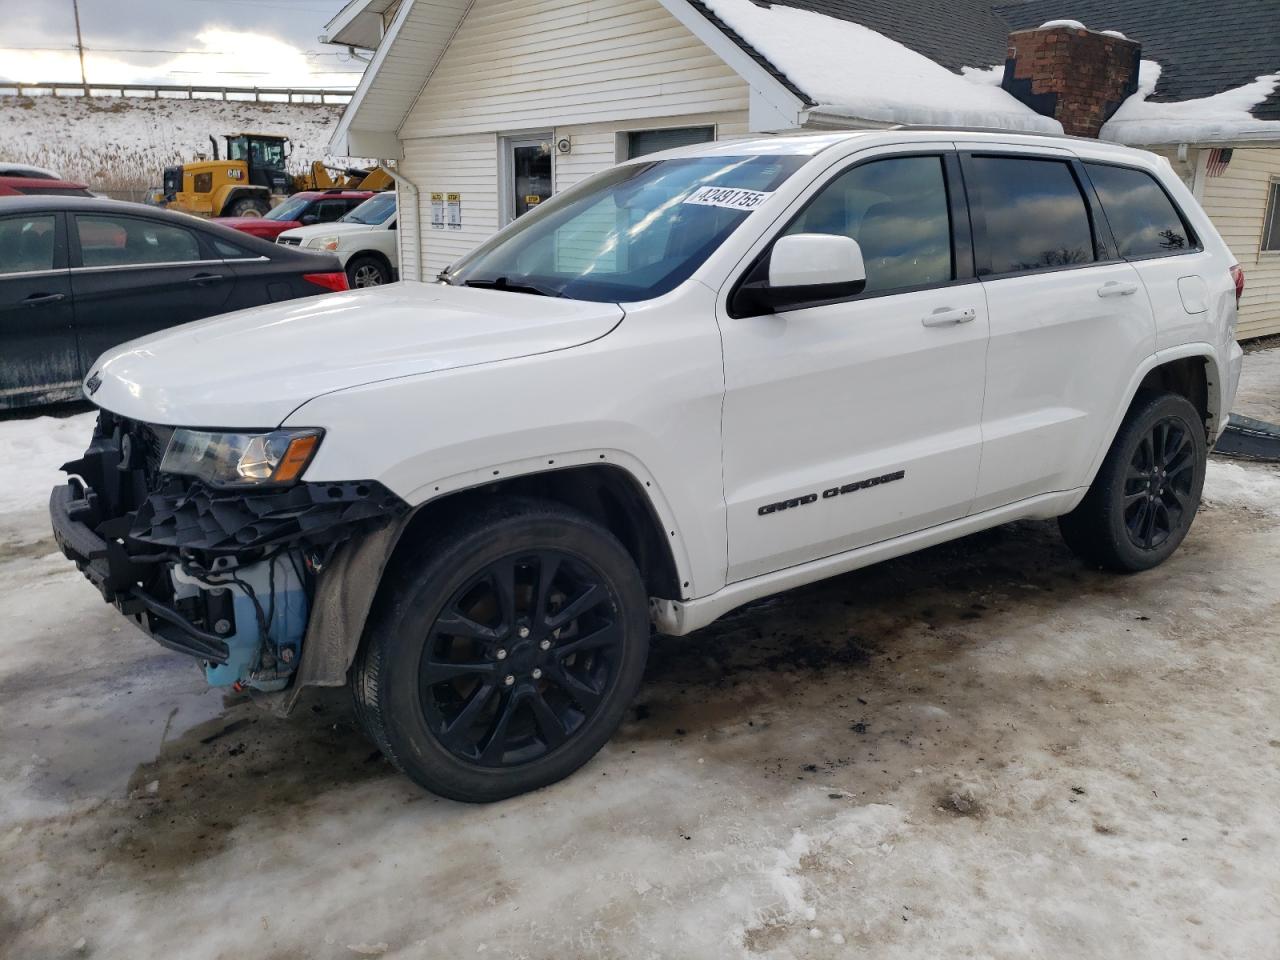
x=308 y=219
x=804 y=268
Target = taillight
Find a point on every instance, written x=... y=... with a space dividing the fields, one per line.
x=1237 y=275
x=330 y=281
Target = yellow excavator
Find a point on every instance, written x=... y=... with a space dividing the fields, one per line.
x=252 y=178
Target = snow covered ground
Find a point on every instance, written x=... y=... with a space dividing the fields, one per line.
x=984 y=750
x=120 y=144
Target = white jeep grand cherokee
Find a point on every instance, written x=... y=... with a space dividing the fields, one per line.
x=693 y=380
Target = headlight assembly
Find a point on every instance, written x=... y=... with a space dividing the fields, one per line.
x=323 y=243
x=241 y=459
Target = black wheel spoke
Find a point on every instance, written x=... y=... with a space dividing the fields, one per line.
x=456 y=625
x=590 y=597
x=1131 y=498
x=582 y=693
x=549 y=724
x=496 y=745
x=453 y=734
x=548 y=567
x=503 y=578
x=1181 y=462
x=438 y=671
x=1149 y=526
x=605 y=636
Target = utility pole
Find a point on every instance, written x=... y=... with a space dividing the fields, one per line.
x=75 y=6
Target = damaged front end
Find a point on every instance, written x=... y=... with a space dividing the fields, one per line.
x=226 y=574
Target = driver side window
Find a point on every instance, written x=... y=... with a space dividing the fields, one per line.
x=897 y=210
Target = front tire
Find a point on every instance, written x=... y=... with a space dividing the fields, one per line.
x=505 y=653
x=248 y=207
x=1147 y=491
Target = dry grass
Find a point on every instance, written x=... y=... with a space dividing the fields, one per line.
x=120 y=147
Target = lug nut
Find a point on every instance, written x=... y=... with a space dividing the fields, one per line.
x=537 y=674
x=545 y=645
x=510 y=680
x=501 y=654
x=524 y=632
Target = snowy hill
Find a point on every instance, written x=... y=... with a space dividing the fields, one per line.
x=119 y=145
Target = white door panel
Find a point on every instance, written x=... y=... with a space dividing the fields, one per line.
x=1063 y=347
x=844 y=397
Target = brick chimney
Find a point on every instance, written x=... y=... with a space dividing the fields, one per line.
x=1075 y=75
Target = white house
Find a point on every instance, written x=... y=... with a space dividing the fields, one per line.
x=488 y=107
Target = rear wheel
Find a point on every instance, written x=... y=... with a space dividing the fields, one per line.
x=505 y=656
x=1146 y=493
x=248 y=207
x=366 y=271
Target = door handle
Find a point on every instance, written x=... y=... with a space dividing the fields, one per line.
x=36 y=299
x=1117 y=288
x=204 y=279
x=947 y=317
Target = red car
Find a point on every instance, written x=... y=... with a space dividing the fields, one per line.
x=310 y=206
x=25 y=186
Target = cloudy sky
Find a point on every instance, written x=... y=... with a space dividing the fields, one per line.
x=223 y=42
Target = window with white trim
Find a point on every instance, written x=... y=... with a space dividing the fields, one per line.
x=1271 y=221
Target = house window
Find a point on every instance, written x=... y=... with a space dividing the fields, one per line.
x=1271 y=222
x=641 y=142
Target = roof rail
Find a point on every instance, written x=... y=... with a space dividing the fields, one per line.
x=1003 y=131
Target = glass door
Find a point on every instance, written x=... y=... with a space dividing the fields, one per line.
x=528 y=163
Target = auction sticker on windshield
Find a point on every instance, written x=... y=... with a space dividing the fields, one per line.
x=731 y=197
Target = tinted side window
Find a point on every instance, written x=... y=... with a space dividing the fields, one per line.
x=1035 y=214
x=1142 y=218
x=897 y=211
x=327 y=211
x=123 y=241
x=26 y=243
x=230 y=251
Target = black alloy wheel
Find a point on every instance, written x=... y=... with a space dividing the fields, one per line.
x=1159 y=482
x=1145 y=495
x=520 y=658
x=504 y=650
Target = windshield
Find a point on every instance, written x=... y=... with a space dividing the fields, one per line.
x=374 y=210
x=630 y=233
x=291 y=209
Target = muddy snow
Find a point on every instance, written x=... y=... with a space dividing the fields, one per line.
x=983 y=750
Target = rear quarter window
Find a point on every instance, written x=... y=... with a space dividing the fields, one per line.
x=1143 y=219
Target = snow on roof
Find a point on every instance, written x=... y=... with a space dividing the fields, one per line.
x=1222 y=118
x=1063 y=24
x=851 y=71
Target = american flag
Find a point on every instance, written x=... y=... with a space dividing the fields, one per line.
x=1218 y=160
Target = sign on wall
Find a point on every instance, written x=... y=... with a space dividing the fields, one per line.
x=437 y=211
x=453 y=210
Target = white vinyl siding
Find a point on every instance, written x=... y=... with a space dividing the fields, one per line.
x=531 y=64
x=1237 y=204
x=590 y=71
x=466 y=165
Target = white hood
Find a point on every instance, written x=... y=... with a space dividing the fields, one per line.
x=254 y=367
x=333 y=229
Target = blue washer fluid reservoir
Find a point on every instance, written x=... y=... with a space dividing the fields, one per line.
x=288 y=621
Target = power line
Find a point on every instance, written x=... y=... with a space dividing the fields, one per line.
x=181 y=53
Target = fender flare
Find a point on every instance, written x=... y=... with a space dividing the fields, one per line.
x=347 y=587
x=1213 y=382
